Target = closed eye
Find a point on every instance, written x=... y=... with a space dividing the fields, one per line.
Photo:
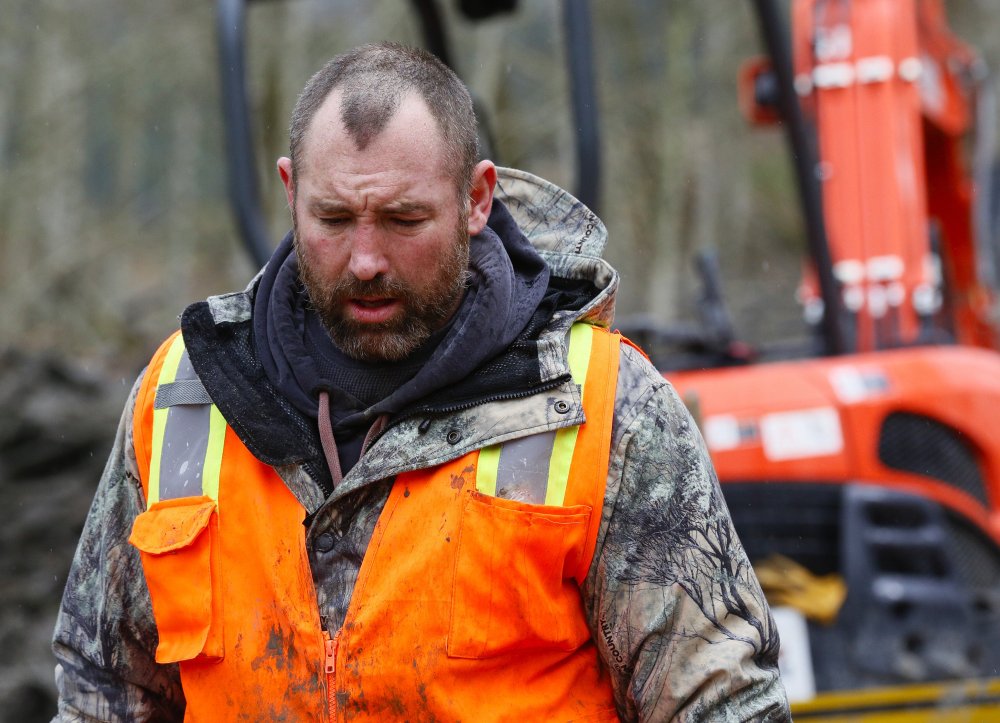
x=408 y=221
x=334 y=221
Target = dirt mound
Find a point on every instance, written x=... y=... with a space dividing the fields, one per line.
x=57 y=423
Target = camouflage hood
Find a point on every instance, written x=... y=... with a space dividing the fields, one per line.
x=568 y=235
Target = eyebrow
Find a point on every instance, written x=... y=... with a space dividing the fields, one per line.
x=321 y=206
x=401 y=206
x=405 y=206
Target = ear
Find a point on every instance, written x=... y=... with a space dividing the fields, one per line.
x=285 y=171
x=484 y=181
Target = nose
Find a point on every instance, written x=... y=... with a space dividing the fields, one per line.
x=368 y=258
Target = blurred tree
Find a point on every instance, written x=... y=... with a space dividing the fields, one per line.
x=114 y=213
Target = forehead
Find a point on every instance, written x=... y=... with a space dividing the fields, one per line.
x=410 y=141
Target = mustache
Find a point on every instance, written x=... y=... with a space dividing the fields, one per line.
x=351 y=287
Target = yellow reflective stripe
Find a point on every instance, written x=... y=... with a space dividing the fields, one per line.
x=581 y=338
x=559 y=464
x=213 y=453
x=168 y=372
x=486 y=470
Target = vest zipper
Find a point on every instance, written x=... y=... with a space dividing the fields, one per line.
x=330 y=665
x=497 y=397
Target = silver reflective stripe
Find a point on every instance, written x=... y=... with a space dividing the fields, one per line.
x=185 y=442
x=185 y=438
x=523 y=471
x=183 y=391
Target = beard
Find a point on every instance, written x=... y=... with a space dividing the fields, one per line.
x=423 y=310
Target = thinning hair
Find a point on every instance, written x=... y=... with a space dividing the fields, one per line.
x=373 y=80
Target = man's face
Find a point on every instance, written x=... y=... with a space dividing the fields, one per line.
x=381 y=238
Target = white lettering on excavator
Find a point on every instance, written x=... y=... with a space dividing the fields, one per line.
x=836 y=43
x=801 y=433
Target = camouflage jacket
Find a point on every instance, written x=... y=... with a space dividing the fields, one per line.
x=674 y=607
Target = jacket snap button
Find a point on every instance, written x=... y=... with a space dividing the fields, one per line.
x=324 y=543
x=562 y=407
x=454 y=436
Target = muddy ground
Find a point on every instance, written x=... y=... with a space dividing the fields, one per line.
x=57 y=423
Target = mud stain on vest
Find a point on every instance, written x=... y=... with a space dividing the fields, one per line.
x=307 y=688
x=355 y=703
x=279 y=652
x=264 y=705
x=401 y=706
x=458 y=480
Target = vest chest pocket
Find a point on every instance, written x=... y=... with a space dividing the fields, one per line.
x=178 y=540
x=513 y=586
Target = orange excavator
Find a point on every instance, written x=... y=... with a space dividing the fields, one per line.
x=865 y=481
x=862 y=472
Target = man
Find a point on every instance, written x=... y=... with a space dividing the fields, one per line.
x=408 y=474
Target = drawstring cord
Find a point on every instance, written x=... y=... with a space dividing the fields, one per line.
x=327 y=440
x=329 y=443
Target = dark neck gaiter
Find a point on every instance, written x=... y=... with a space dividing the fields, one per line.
x=508 y=281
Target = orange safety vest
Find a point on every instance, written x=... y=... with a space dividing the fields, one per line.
x=467 y=605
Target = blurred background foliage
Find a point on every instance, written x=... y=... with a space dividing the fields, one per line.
x=114 y=211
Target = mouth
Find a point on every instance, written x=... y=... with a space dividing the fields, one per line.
x=372 y=310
